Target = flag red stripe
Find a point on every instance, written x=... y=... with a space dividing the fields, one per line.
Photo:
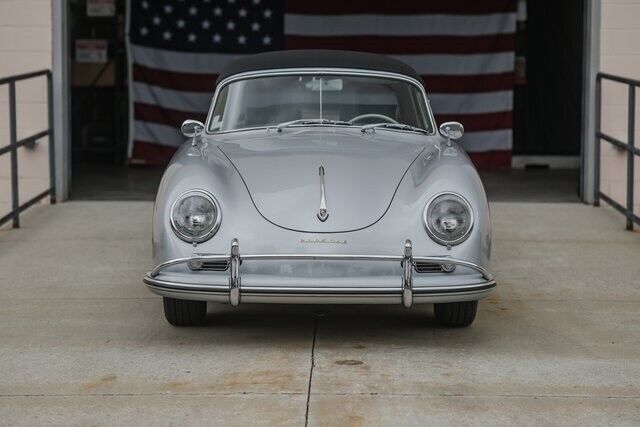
x=479 y=122
x=191 y=82
x=468 y=84
x=164 y=116
x=406 y=45
x=434 y=83
x=400 y=7
x=492 y=160
x=150 y=153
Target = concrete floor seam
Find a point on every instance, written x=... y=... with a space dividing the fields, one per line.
x=230 y=394
x=313 y=364
x=485 y=396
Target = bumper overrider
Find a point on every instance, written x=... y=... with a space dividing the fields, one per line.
x=233 y=291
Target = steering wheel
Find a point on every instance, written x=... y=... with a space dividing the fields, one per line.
x=382 y=117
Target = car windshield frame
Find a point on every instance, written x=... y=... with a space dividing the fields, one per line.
x=429 y=117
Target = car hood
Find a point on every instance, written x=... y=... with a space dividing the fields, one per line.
x=362 y=172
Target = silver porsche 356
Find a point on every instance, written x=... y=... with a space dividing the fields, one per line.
x=319 y=177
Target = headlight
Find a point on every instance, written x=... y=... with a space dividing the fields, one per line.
x=195 y=216
x=448 y=218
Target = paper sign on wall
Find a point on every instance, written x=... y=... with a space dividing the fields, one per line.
x=91 y=50
x=98 y=8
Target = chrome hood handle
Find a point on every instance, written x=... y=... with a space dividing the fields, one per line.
x=323 y=213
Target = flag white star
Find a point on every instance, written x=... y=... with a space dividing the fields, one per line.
x=145 y=5
x=242 y=39
x=217 y=11
x=192 y=37
x=193 y=10
x=168 y=8
x=144 y=31
x=206 y=24
x=267 y=13
x=242 y=13
x=180 y=23
x=255 y=27
x=156 y=20
x=266 y=40
x=231 y=25
x=167 y=35
x=216 y=38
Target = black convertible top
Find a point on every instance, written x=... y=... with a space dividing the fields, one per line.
x=317 y=58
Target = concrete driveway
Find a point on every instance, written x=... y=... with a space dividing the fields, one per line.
x=83 y=342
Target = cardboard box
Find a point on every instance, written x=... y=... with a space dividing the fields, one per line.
x=83 y=74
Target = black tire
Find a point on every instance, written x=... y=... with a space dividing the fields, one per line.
x=456 y=314
x=180 y=312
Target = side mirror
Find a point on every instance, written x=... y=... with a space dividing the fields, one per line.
x=452 y=130
x=192 y=128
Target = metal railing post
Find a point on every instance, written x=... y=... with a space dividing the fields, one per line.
x=52 y=160
x=29 y=141
x=629 y=146
x=596 y=171
x=630 y=154
x=13 y=139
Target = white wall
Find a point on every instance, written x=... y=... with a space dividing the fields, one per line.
x=620 y=55
x=25 y=45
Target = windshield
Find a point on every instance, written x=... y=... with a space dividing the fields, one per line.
x=318 y=99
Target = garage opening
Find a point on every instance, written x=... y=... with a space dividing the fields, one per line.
x=547 y=105
x=99 y=107
x=544 y=120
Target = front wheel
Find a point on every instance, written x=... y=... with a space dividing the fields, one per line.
x=180 y=312
x=456 y=314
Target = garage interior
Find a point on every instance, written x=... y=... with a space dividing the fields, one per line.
x=546 y=132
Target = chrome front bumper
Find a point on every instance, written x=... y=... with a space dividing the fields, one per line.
x=233 y=291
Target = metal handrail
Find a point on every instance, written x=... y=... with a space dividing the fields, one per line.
x=629 y=146
x=15 y=143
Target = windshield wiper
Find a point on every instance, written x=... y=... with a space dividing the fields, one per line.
x=399 y=126
x=312 y=122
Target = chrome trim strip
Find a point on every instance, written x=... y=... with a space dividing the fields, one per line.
x=186 y=260
x=298 y=290
x=324 y=257
x=306 y=71
x=445 y=260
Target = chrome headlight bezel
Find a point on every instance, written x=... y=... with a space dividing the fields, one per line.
x=433 y=235
x=216 y=224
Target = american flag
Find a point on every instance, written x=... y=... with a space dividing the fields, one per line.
x=464 y=50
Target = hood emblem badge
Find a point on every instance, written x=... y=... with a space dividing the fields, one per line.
x=323 y=214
